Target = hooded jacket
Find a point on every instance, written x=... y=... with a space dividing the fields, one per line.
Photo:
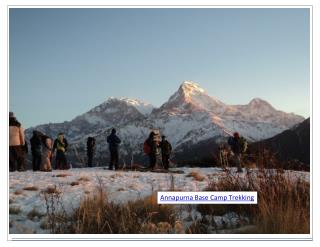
x=16 y=133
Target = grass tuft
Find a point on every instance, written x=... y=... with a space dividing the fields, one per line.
x=14 y=210
x=34 y=213
x=196 y=176
x=62 y=175
x=283 y=205
x=84 y=179
x=31 y=188
x=74 y=183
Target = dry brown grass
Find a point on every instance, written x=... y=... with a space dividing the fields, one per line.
x=44 y=225
x=283 y=205
x=31 y=188
x=14 y=210
x=52 y=190
x=97 y=215
x=62 y=175
x=34 y=213
x=74 y=183
x=84 y=179
x=283 y=208
x=116 y=175
x=18 y=192
x=196 y=176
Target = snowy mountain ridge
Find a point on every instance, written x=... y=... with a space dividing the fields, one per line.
x=143 y=107
x=190 y=116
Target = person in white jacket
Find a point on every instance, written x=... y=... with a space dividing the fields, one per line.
x=17 y=145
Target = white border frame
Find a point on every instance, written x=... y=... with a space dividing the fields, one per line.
x=155 y=237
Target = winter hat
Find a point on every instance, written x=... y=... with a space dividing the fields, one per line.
x=236 y=135
x=152 y=134
x=11 y=115
x=113 y=131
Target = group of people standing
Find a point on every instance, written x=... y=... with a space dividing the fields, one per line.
x=113 y=141
x=43 y=149
x=155 y=148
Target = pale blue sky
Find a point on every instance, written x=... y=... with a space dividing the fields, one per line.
x=63 y=62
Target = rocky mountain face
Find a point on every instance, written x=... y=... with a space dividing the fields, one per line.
x=190 y=118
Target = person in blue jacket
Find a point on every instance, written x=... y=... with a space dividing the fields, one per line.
x=114 y=143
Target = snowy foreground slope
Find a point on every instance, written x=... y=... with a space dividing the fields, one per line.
x=121 y=186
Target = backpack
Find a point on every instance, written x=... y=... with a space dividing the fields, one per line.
x=243 y=145
x=230 y=141
x=240 y=146
x=146 y=147
x=91 y=142
x=166 y=147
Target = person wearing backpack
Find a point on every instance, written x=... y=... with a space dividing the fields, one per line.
x=46 y=154
x=35 y=142
x=61 y=145
x=150 y=147
x=17 y=145
x=91 y=146
x=238 y=146
x=166 y=149
x=114 y=143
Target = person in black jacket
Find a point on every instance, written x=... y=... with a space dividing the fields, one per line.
x=35 y=142
x=114 y=142
x=166 y=149
x=236 y=144
x=91 y=146
x=152 y=150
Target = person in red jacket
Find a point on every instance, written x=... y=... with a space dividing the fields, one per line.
x=150 y=147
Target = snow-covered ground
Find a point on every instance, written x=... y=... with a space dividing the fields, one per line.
x=121 y=186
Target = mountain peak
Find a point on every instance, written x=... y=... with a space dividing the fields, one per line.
x=190 y=88
x=189 y=98
x=186 y=92
x=258 y=102
x=141 y=106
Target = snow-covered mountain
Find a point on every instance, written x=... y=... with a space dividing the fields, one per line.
x=191 y=109
x=143 y=107
x=189 y=117
x=112 y=112
x=191 y=97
